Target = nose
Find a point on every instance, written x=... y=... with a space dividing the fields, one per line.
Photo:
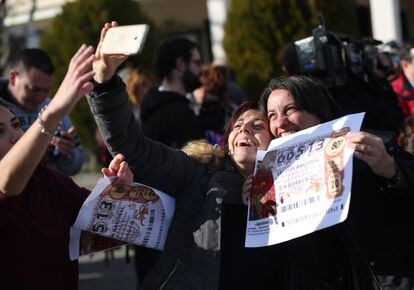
x=281 y=121
x=244 y=128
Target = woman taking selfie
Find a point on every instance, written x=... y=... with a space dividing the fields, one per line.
x=205 y=244
x=38 y=205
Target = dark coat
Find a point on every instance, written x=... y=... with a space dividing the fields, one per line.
x=192 y=255
x=168 y=118
x=379 y=229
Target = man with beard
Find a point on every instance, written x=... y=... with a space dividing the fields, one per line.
x=166 y=114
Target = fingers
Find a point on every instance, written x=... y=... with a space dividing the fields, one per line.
x=64 y=145
x=245 y=198
x=104 y=30
x=80 y=50
x=122 y=169
x=119 y=168
x=106 y=172
x=113 y=167
x=367 y=144
x=83 y=53
x=115 y=163
x=371 y=149
x=247 y=185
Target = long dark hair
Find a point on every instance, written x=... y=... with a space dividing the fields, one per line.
x=309 y=95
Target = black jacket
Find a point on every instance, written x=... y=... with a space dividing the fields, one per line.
x=192 y=256
x=167 y=117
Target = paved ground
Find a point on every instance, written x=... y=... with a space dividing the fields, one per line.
x=103 y=271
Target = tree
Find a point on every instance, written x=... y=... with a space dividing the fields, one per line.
x=256 y=32
x=81 y=22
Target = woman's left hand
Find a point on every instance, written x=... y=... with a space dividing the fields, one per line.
x=371 y=149
x=119 y=168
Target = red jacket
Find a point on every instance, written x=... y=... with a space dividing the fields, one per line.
x=405 y=93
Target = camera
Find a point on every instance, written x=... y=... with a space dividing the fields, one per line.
x=333 y=57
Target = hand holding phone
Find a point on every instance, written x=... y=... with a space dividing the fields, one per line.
x=125 y=40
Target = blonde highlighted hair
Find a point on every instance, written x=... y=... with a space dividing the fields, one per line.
x=204 y=152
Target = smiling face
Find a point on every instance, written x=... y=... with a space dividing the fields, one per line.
x=10 y=130
x=29 y=89
x=285 y=117
x=249 y=132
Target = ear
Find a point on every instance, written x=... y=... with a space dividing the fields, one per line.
x=404 y=63
x=180 y=64
x=12 y=77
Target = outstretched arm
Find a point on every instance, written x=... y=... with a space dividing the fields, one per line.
x=19 y=163
x=152 y=163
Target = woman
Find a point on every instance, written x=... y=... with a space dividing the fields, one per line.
x=205 y=243
x=39 y=205
x=375 y=235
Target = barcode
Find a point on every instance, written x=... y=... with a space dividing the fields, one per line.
x=149 y=228
x=300 y=203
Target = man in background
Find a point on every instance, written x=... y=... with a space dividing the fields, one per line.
x=25 y=90
x=403 y=85
x=166 y=113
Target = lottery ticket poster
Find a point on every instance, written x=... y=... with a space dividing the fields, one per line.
x=302 y=183
x=115 y=215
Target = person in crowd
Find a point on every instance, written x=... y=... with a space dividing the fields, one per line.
x=403 y=85
x=406 y=138
x=355 y=95
x=138 y=83
x=25 y=91
x=205 y=243
x=38 y=205
x=211 y=103
x=165 y=111
x=376 y=237
x=235 y=93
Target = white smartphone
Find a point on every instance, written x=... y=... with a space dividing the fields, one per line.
x=126 y=40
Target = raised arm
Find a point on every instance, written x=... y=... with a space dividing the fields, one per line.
x=19 y=163
x=151 y=162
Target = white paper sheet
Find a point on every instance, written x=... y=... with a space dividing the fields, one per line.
x=302 y=183
x=135 y=214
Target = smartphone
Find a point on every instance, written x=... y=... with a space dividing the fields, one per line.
x=126 y=40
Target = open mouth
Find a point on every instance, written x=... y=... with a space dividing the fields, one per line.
x=286 y=133
x=244 y=143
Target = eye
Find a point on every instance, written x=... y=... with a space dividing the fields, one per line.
x=258 y=126
x=290 y=110
x=271 y=115
x=16 y=124
x=237 y=126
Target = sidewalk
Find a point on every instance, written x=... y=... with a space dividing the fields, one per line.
x=107 y=272
x=104 y=271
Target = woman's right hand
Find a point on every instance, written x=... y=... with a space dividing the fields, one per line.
x=247 y=185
